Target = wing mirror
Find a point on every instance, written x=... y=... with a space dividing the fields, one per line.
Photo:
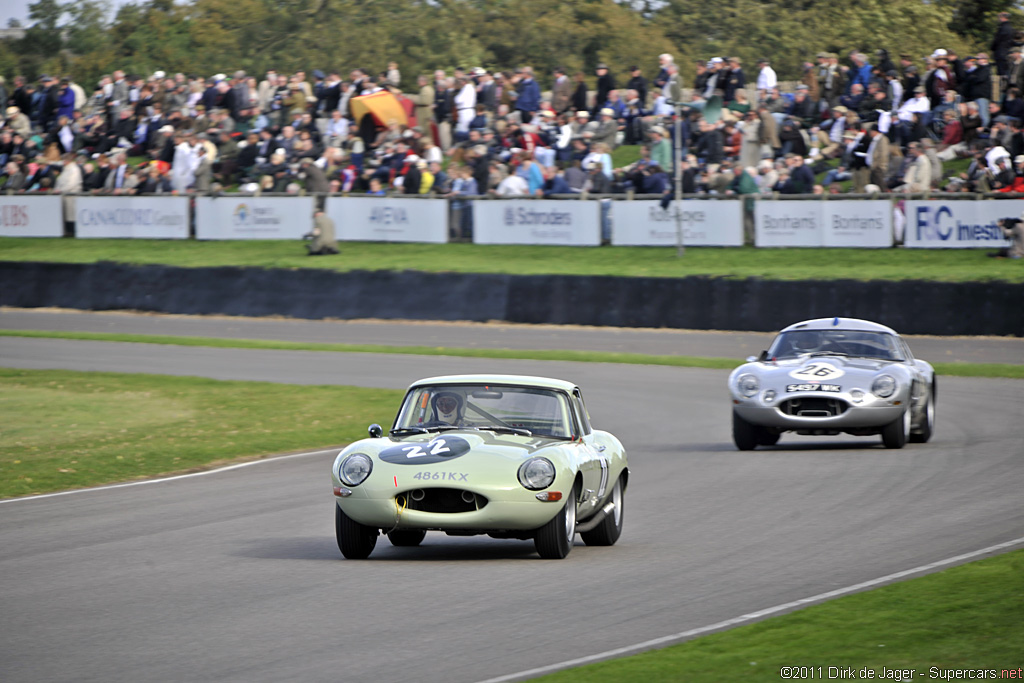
x=375 y=431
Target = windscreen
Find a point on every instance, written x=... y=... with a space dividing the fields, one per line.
x=543 y=412
x=856 y=343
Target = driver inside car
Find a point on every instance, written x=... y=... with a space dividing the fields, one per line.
x=447 y=407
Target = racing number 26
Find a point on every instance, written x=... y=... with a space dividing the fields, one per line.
x=815 y=370
x=437 y=447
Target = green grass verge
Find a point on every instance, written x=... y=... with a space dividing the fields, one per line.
x=956 y=369
x=64 y=430
x=952 y=265
x=967 y=617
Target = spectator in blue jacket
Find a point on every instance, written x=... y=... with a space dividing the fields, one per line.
x=528 y=101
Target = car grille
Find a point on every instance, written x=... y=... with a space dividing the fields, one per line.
x=814 y=407
x=444 y=500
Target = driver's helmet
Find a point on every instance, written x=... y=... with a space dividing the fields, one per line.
x=806 y=341
x=447 y=407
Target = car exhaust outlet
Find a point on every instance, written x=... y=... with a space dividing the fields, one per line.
x=417 y=494
x=468 y=496
x=608 y=508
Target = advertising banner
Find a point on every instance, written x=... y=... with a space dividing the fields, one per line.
x=149 y=217
x=966 y=224
x=706 y=223
x=543 y=221
x=849 y=223
x=244 y=217
x=389 y=219
x=31 y=216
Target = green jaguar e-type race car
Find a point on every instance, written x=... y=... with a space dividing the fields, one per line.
x=502 y=455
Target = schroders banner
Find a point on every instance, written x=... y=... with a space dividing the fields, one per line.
x=865 y=224
x=965 y=224
x=149 y=217
x=705 y=223
x=542 y=221
x=244 y=217
x=28 y=216
x=389 y=219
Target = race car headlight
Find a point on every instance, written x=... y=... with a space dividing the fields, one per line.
x=884 y=386
x=536 y=473
x=747 y=385
x=355 y=469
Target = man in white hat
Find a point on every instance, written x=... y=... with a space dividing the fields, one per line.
x=19 y=122
x=607 y=128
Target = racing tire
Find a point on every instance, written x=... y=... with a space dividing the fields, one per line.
x=406 y=538
x=745 y=435
x=927 y=426
x=554 y=539
x=894 y=434
x=610 y=528
x=355 y=541
x=767 y=438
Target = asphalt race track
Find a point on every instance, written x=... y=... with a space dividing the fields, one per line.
x=235 y=575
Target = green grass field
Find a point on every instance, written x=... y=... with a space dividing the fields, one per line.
x=773 y=264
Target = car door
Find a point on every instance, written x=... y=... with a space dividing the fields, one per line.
x=595 y=465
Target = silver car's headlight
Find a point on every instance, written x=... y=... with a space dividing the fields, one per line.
x=884 y=386
x=354 y=469
x=747 y=385
x=537 y=473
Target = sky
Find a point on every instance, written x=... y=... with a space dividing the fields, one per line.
x=18 y=9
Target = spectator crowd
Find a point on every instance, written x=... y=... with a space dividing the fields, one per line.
x=882 y=122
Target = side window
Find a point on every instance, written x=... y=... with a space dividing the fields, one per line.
x=581 y=411
x=907 y=355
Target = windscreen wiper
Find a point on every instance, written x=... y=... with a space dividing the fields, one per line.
x=505 y=430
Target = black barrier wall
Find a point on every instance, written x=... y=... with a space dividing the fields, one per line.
x=911 y=307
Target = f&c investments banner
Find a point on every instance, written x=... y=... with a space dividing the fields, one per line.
x=245 y=217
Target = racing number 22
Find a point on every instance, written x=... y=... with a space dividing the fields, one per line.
x=437 y=447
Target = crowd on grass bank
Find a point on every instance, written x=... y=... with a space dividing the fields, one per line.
x=882 y=125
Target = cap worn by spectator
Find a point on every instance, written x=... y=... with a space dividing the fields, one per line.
x=840 y=108
x=12 y=111
x=583 y=113
x=1019 y=159
x=317 y=73
x=939 y=54
x=602 y=66
x=607 y=112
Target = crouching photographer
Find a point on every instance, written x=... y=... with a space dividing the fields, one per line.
x=1013 y=230
x=320 y=240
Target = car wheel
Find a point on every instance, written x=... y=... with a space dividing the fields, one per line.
x=554 y=539
x=406 y=538
x=610 y=528
x=894 y=434
x=744 y=434
x=767 y=438
x=355 y=541
x=927 y=426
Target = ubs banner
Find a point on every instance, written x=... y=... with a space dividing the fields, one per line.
x=938 y=224
x=149 y=217
x=811 y=223
x=245 y=217
x=388 y=219
x=706 y=223
x=542 y=221
x=23 y=216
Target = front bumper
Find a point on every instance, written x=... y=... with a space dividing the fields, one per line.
x=833 y=412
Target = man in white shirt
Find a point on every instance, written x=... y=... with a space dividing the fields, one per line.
x=465 y=104
x=766 y=78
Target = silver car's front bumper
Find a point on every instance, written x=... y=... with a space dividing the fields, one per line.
x=817 y=411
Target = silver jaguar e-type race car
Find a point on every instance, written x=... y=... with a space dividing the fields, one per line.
x=833 y=375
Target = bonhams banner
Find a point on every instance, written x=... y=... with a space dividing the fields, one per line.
x=811 y=223
x=31 y=216
x=965 y=224
x=149 y=217
x=389 y=219
x=244 y=217
x=705 y=223
x=541 y=221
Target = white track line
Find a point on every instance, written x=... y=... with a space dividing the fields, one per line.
x=753 y=616
x=166 y=479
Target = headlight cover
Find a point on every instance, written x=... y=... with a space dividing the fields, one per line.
x=884 y=386
x=354 y=469
x=747 y=385
x=536 y=474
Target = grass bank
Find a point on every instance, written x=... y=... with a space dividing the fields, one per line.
x=949 y=265
x=954 y=369
x=964 y=618
x=64 y=430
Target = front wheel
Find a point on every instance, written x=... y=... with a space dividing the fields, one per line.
x=745 y=435
x=554 y=539
x=894 y=434
x=610 y=528
x=355 y=541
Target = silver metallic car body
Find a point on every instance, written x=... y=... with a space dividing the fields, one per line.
x=829 y=391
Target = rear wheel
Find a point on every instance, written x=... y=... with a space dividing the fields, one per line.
x=927 y=426
x=894 y=434
x=355 y=541
x=406 y=538
x=554 y=539
x=744 y=435
x=610 y=528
